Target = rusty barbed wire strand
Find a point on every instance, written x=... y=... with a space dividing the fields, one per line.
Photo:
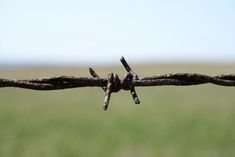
x=114 y=84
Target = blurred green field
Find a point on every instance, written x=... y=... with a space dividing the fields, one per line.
x=170 y=121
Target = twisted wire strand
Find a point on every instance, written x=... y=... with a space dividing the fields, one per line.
x=114 y=84
x=186 y=79
x=63 y=82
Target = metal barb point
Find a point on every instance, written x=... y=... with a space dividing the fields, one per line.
x=125 y=64
x=108 y=91
x=133 y=76
x=95 y=75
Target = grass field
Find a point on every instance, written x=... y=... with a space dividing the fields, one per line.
x=170 y=121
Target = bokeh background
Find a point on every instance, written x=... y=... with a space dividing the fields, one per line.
x=52 y=38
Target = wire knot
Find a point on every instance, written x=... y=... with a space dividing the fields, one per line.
x=127 y=82
x=114 y=84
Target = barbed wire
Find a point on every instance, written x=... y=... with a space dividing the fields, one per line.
x=113 y=84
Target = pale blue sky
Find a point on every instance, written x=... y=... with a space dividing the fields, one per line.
x=83 y=31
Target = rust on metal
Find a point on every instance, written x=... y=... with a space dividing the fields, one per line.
x=113 y=84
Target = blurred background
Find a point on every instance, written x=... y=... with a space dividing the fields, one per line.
x=52 y=38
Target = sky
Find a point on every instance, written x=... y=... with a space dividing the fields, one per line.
x=101 y=31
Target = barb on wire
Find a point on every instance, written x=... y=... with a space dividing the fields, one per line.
x=113 y=84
